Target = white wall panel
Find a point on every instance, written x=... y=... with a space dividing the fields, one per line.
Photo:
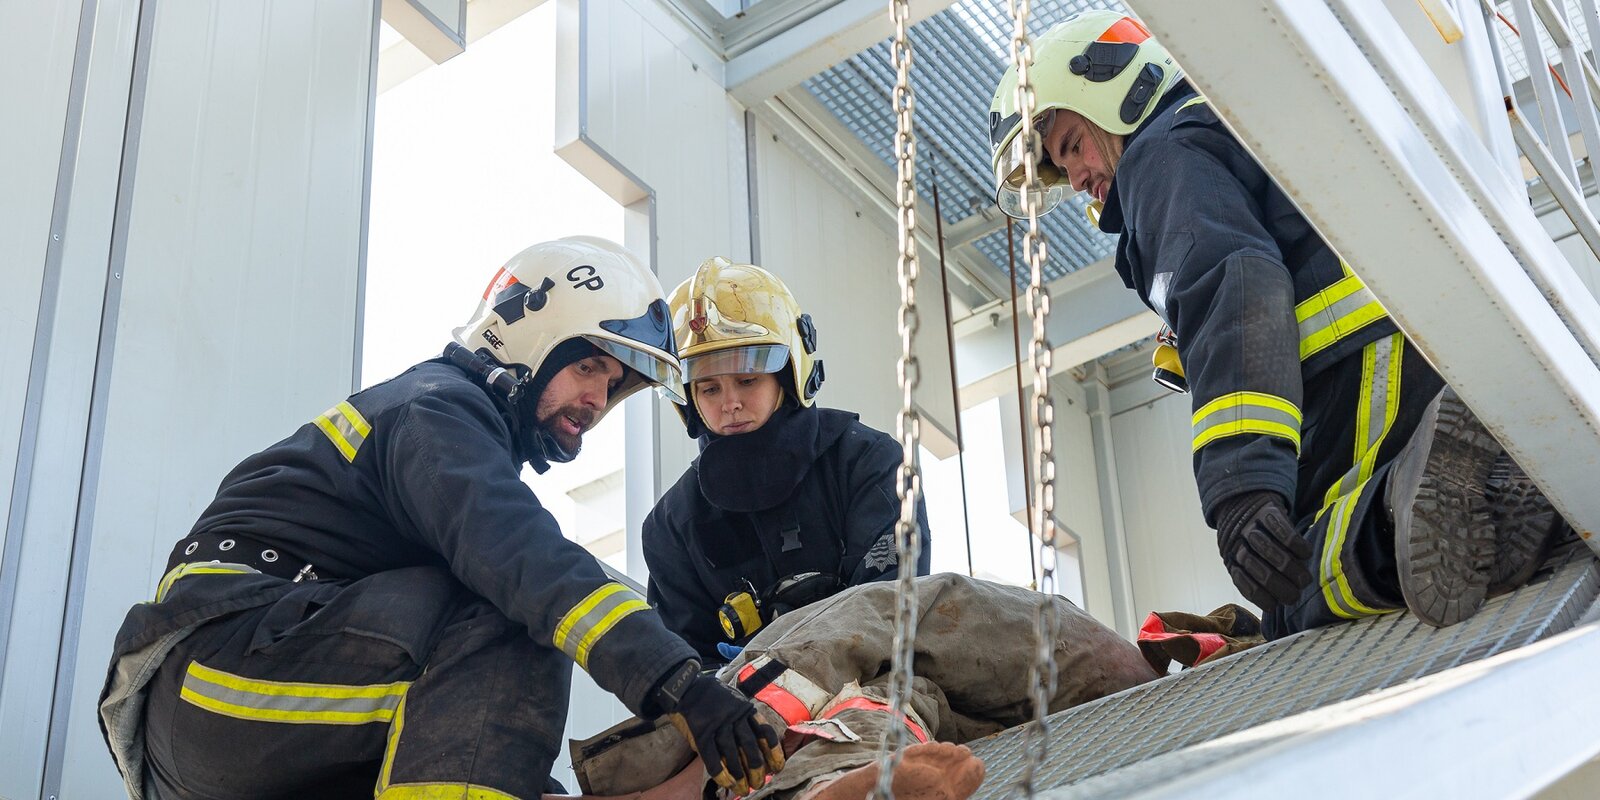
x=1077 y=495
x=655 y=105
x=654 y=108
x=37 y=45
x=840 y=259
x=63 y=370
x=1171 y=553
x=237 y=309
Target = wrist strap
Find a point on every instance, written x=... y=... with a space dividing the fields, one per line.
x=670 y=693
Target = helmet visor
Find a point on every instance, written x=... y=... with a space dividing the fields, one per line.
x=737 y=361
x=655 y=370
x=1011 y=171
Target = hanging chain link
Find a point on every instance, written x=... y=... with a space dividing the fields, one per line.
x=908 y=538
x=1042 y=676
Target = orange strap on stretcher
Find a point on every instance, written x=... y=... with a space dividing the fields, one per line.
x=868 y=704
x=779 y=699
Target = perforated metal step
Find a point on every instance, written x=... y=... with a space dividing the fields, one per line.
x=1310 y=670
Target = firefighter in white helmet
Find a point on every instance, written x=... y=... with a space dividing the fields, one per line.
x=788 y=502
x=379 y=603
x=1343 y=477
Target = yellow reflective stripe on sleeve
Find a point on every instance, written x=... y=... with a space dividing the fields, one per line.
x=198 y=568
x=1376 y=410
x=442 y=791
x=1193 y=101
x=1246 y=412
x=593 y=618
x=295 y=703
x=1328 y=316
x=345 y=427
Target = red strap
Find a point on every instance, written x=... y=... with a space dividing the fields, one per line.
x=779 y=699
x=1155 y=630
x=867 y=704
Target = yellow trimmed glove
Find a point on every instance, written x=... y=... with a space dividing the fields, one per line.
x=737 y=748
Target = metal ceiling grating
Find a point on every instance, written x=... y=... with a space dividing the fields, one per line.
x=959 y=55
x=1310 y=670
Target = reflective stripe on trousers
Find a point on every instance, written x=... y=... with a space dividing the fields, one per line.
x=1379 y=400
x=295 y=703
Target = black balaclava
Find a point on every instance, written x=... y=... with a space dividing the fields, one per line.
x=757 y=470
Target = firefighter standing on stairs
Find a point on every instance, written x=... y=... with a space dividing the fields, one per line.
x=1343 y=477
x=380 y=601
x=787 y=503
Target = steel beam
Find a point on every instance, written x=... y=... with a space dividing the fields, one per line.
x=1385 y=166
x=1092 y=313
x=440 y=38
x=970 y=229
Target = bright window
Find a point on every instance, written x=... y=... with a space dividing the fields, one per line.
x=464 y=177
x=1002 y=549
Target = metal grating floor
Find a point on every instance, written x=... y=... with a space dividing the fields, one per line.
x=1310 y=670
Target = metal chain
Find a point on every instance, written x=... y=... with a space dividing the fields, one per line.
x=1042 y=676
x=908 y=539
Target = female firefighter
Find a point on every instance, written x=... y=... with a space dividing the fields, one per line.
x=1343 y=477
x=787 y=503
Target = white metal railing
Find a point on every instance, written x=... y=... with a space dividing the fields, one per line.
x=1382 y=159
x=1551 y=155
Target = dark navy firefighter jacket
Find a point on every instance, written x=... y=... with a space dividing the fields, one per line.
x=813 y=490
x=1258 y=301
x=423 y=469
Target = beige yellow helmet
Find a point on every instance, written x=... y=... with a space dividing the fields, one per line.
x=1102 y=64
x=580 y=286
x=741 y=319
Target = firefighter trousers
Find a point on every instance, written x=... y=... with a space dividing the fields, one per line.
x=402 y=681
x=1360 y=413
x=973 y=652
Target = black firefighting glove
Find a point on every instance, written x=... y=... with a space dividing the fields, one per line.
x=737 y=748
x=1263 y=552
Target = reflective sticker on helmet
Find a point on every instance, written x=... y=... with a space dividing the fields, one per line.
x=502 y=279
x=1126 y=30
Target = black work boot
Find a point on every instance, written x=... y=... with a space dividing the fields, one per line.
x=1525 y=525
x=1443 y=536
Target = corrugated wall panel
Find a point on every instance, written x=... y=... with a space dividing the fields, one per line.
x=1171 y=552
x=1078 y=494
x=37 y=45
x=239 y=292
x=841 y=262
x=33 y=578
x=656 y=106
